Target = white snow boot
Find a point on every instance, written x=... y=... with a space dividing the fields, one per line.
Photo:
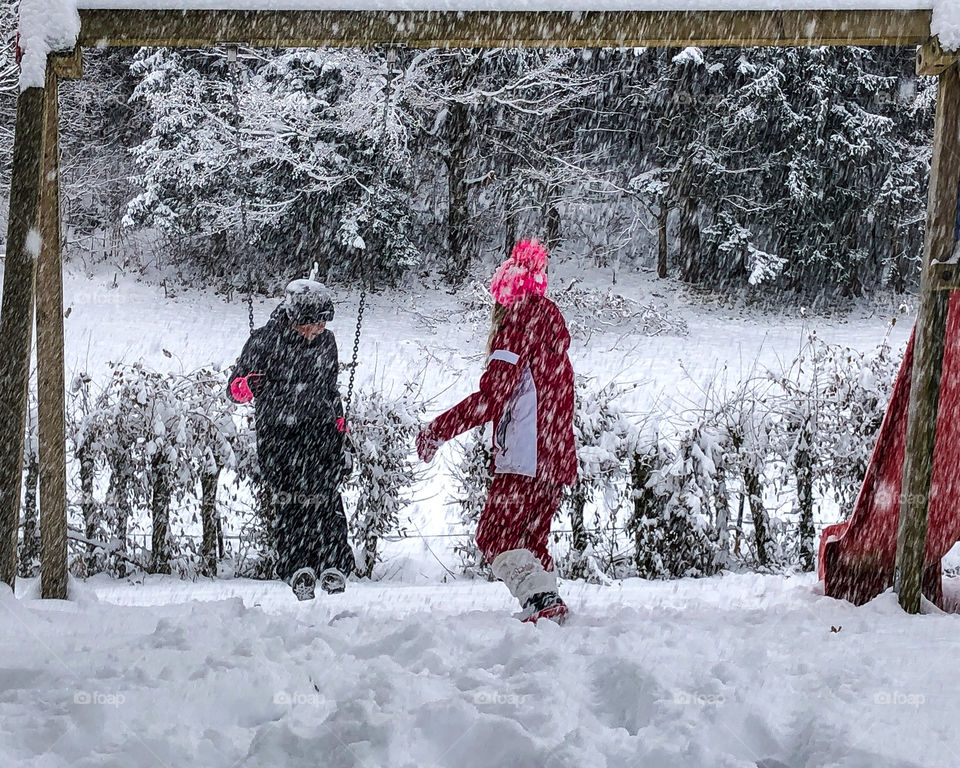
x=304 y=584
x=533 y=586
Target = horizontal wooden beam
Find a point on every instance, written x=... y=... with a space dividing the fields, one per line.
x=494 y=29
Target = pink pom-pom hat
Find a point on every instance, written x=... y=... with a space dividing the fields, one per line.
x=523 y=274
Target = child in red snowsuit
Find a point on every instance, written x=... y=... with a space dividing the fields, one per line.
x=527 y=392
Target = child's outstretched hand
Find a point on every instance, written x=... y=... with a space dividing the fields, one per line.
x=427 y=445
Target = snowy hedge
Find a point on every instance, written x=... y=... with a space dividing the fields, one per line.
x=159 y=461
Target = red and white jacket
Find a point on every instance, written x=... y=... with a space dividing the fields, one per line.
x=527 y=392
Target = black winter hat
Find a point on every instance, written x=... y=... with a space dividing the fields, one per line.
x=307 y=302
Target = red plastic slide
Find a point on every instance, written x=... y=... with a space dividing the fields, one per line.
x=857 y=557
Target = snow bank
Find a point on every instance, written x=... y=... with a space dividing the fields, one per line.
x=737 y=671
x=946 y=23
x=520 y=5
x=45 y=26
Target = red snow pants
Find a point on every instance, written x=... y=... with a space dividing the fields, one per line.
x=517 y=516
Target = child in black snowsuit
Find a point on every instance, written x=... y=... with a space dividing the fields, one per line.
x=289 y=367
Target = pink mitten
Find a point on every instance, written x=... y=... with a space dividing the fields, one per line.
x=240 y=390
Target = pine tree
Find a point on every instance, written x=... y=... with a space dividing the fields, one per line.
x=473 y=477
x=383 y=430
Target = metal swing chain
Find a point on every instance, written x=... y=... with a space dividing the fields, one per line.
x=250 y=299
x=391 y=57
x=356 y=350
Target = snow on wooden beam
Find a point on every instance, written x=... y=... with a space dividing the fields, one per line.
x=494 y=29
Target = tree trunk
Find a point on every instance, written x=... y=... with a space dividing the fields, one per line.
x=902 y=263
x=209 y=520
x=458 y=213
x=689 y=240
x=552 y=224
x=30 y=549
x=88 y=506
x=266 y=539
x=223 y=264
x=581 y=541
x=644 y=508
x=119 y=508
x=509 y=233
x=738 y=531
x=160 y=509
x=122 y=518
x=370 y=542
x=662 y=218
x=722 y=524
x=804 y=475
x=757 y=512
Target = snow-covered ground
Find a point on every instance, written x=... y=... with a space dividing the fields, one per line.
x=420 y=332
x=740 y=670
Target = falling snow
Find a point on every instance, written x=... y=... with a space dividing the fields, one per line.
x=421 y=665
x=34 y=242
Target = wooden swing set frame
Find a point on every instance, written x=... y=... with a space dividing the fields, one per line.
x=33 y=275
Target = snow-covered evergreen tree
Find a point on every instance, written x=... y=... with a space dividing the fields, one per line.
x=677 y=507
x=295 y=159
x=472 y=476
x=810 y=178
x=382 y=434
x=212 y=446
x=251 y=499
x=606 y=441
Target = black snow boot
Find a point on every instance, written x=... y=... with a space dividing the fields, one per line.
x=545 y=605
x=304 y=584
x=332 y=581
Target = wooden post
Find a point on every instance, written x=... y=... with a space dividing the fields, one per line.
x=16 y=314
x=928 y=346
x=50 y=384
